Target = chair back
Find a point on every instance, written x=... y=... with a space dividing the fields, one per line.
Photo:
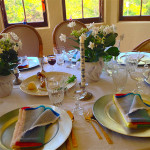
x=31 y=40
x=143 y=47
x=64 y=29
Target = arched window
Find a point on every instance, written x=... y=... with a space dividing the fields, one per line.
x=31 y=12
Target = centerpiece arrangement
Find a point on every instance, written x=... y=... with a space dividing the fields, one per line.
x=99 y=44
x=9 y=46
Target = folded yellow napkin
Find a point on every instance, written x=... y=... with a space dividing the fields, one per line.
x=133 y=110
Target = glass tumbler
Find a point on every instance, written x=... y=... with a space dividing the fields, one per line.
x=119 y=76
x=55 y=86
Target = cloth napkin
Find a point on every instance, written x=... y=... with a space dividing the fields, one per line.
x=134 y=111
x=24 y=62
x=30 y=127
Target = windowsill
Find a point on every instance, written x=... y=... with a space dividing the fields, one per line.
x=132 y=22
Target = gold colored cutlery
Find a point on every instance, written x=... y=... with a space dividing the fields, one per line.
x=91 y=118
x=73 y=137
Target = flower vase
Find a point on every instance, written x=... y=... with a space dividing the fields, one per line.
x=6 y=85
x=93 y=70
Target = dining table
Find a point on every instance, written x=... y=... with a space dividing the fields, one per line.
x=86 y=136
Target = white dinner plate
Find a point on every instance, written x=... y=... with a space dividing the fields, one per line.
x=56 y=134
x=145 y=58
x=107 y=114
x=33 y=62
x=40 y=91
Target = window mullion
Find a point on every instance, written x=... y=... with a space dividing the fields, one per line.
x=141 y=8
x=82 y=10
x=25 y=19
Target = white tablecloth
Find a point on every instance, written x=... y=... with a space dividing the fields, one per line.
x=87 y=139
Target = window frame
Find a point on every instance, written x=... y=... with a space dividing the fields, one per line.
x=130 y=18
x=87 y=20
x=33 y=24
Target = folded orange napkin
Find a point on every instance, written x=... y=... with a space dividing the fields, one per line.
x=30 y=128
x=134 y=111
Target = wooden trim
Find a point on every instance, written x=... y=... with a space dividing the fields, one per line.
x=142 y=45
x=34 y=24
x=64 y=9
x=33 y=29
x=60 y=24
x=130 y=18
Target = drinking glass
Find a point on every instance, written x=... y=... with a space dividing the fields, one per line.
x=77 y=108
x=138 y=76
x=59 y=52
x=119 y=76
x=131 y=63
x=109 y=66
x=55 y=86
x=51 y=60
x=69 y=55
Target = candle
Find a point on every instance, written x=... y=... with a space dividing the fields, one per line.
x=82 y=62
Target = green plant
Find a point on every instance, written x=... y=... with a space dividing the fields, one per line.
x=98 y=41
x=9 y=45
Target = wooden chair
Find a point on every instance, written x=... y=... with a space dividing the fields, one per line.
x=143 y=47
x=62 y=28
x=31 y=40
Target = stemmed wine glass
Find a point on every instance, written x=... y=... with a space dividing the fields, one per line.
x=51 y=60
x=69 y=55
x=77 y=108
x=59 y=52
x=138 y=76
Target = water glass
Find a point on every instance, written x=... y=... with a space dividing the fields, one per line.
x=119 y=75
x=131 y=63
x=109 y=66
x=59 y=52
x=55 y=86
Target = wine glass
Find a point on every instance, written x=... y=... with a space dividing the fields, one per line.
x=51 y=60
x=59 y=52
x=69 y=55
x=138 y=76
x=77 y=108
x=119 y=76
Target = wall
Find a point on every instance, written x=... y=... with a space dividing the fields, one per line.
x=134 y=32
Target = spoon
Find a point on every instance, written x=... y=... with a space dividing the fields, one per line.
x=74 y=140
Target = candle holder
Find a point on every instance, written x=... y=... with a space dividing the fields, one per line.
x=84 y=94
x=17 y=81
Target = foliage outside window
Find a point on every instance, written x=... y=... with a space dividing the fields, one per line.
x=86 y=11
x=135 y=10
x=31 y=12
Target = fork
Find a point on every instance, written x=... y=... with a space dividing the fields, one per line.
x=103 y=131
x=88 y=118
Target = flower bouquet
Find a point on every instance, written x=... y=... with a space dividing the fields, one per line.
x=9 y=46
x=99 y=41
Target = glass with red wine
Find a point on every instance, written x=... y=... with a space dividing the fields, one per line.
x=51 y=60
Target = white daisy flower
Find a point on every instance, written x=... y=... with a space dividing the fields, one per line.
x=83 y=35
x=91 y=45
x=71 y=24
x=62 y=37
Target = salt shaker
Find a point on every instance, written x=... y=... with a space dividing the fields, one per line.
x=17 y=81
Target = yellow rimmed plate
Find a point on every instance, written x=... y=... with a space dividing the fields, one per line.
x=108 y=115
x=40 y=91
x=55 y=135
